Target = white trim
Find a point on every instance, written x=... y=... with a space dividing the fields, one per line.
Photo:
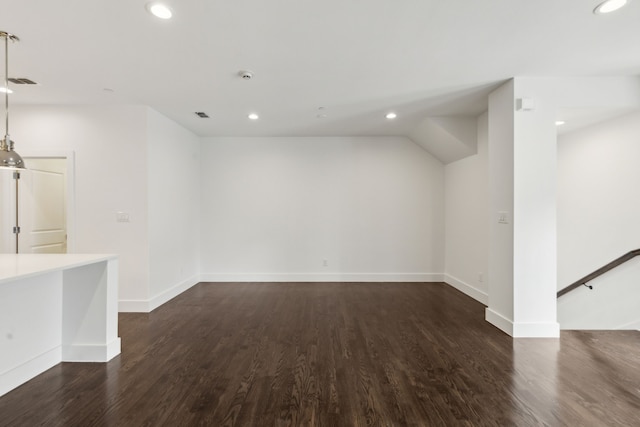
x=91 y=353
x=133 y=306
x=629 y=325
x=148 y=305
x=7 y=211
x=30 y=369
x=322 y=277
x=499 y=321
x=536 y=330
x=171 y=293
x=522 y=329
x=467 y=289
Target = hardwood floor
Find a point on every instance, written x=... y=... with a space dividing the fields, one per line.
x=328 y=354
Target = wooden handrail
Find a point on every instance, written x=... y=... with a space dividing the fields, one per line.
x=613 y=264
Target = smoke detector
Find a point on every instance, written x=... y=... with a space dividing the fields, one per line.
x=246 y=75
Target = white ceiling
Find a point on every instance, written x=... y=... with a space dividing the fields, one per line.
x=356 y=58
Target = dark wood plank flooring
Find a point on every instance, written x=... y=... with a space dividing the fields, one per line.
x=336 y=354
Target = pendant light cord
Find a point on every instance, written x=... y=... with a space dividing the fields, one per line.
x=6 y=142
x=8 y=157
x=6 y=86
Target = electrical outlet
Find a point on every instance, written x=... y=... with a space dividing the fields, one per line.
x=480 y=277
x=325 y=263
x=503 y=217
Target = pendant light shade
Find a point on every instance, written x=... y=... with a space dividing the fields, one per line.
x=8 y=158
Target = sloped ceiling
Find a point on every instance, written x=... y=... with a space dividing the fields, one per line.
x=447 y=138
x=332 y=67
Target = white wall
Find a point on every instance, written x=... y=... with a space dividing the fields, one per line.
x=598 y=203
x=467 y=220
x=501 y=169
x=276 y=208
x=173 y=209
x=534 y=210
x=522 y=182
x=598 y=220
x=110 y=149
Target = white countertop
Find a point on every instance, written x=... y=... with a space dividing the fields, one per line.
x=19 y=266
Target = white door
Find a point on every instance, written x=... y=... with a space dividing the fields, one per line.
x=43 y=202
x=7 y=212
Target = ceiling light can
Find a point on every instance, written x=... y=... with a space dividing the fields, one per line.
x=253 y=116
x=159 y=10
x=391 y=116
x=609 y=6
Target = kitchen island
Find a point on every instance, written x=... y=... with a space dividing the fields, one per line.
x=55 y=308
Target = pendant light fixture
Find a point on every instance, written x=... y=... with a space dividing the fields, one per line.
x=8 y=158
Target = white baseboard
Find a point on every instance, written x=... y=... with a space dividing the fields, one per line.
x=133 y=306
x=630 y=325
x=322 y=277
x=467 y=289
x=28 y=370
x=521 y=329
x=536 y=330
x=91 y=353
x=173 y=292
x=499 y=321
x=148 y=305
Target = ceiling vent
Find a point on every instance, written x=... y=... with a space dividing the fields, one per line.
x=22 y=81
x=202 y=115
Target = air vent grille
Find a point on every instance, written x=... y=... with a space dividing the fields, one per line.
x=202 y=115
x=22 y=81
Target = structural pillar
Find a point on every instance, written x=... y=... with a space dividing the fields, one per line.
x=522 y=229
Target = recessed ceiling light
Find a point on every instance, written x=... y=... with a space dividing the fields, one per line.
x=391 y=116
x=609 y=6
x=5 y=90
x=560 y=122
x=159 y=10
x=253 y=116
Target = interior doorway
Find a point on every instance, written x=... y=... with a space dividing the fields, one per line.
x=7 y=211
x=44 y=202
x=43 y=206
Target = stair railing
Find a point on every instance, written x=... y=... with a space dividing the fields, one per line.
x=610 y=266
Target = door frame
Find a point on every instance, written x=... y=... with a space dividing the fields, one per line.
x=71 y=186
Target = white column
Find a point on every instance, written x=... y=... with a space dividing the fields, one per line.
x=90 y=313
x=522 y=230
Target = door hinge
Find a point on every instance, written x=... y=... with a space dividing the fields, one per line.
x=16 y=175
x=16 y=230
